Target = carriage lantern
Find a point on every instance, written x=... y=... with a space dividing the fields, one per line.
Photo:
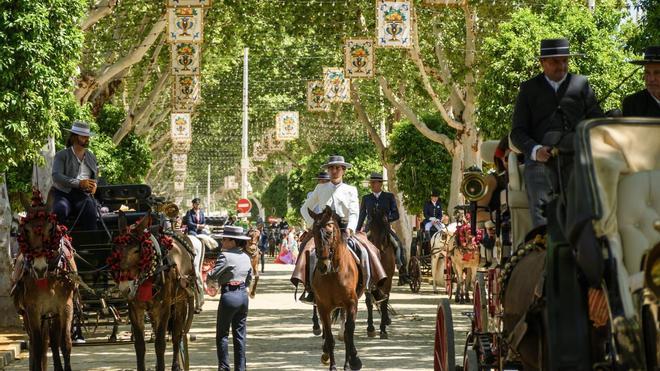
x=474 y=186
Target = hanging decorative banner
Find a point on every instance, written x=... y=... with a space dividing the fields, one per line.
x=394 y=25
x=185 y=25
x=179 y=186
x=257 y=152
x=181 y=127
x=181 y=147
x=316 y=97
x=179 y=162
x=186 y=90
x=230 y=182
x=185 y=106
x=359 y=58
x=185 y=59
x=188 y=3
x=336 y=85
x=286 y=125
x=272 y=144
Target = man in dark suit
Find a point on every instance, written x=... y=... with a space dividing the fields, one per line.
x=646 y=103
x=432 y=215
x=548 y=108
x=195 y=219
x=386 y=202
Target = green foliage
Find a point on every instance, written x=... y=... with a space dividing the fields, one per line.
x=422 y=163
x=40 y=43
x=274 y=196
x=361 y=155
x=511 y=56
x=649 y=32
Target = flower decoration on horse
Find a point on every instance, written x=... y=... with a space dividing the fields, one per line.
x=39 y=233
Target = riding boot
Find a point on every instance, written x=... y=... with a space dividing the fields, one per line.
x=378 y=295
x=483 y=262
x=404 y=279
x=307 y=296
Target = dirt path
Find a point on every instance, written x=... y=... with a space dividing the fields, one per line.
x=280 y=334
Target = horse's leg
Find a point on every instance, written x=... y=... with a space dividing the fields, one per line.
x=371 y=330
x=159 y=324
x=384 y=318
x=55 y=334
x=459 y=282
x=352 y=360
x=43 y=345
x=67 y=319
x=136 y=315
x=328 y=340
x=316 y=328
x=342 y=322
x=178 y=323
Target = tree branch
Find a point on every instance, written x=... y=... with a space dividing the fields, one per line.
x=470 y=52
x=366 y=122
x=98 y=12
x=83 y=91
x=419 y=124
x=417 y=59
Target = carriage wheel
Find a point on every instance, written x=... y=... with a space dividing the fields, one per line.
x=470 y=360
x=183 y=357
x=480 y=304
x=415 y=272
x=449 y=277
x=444 y=358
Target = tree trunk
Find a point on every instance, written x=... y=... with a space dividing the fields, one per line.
x=10 y=318
x=98 y=11
x=455 y=197
x=402 y=226
x=42 y=176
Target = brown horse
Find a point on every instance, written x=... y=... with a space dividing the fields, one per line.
x=254 y=253
x=379 y=235
x=465 y=260
x=163 y=287
x=44 y=281
x=335 y=284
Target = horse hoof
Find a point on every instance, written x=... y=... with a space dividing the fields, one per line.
x=383 y=335
x=325 y=358
x=317 y=331
x=371 y=333
x=340 y=337
x=355 y=363
x=389 y=322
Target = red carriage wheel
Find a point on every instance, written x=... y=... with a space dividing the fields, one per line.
x=444 y=358
x=470 y=360
x=480 y=305
x=415 y=272
x=449 y=277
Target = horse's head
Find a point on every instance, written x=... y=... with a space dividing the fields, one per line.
x=379 y=226
x=133 y=253
x=327 y=237
x=254 y=235
x=39 y=234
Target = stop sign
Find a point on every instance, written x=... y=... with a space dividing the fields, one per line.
x=244 y=205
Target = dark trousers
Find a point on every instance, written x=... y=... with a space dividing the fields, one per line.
x=541 y=182
x=232 y=311
x=70 y=205
x=262 y=256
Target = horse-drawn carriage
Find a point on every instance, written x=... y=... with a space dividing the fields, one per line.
x=583 y=292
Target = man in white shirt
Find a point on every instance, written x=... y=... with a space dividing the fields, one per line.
x=343 y=199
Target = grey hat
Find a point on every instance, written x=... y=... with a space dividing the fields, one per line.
x=334 y=160
x=80 y=128
x=378 y=177
x=234 y=232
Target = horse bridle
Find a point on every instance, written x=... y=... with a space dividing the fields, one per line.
x=326 y=242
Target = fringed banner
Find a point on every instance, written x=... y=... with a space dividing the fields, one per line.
x=286 y=125
x=359 y=58
x=179 y=162
x=185 y=25
x=394 y=24
x=185 y=93
x=179 y=186
x=336 y=85
x=257 y=152
x=230 y=183
x=181 y=127
x=316 y=97
x=186 y=59
x=189 y=3
x=181 y=147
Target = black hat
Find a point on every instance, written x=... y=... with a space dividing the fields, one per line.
x=378 y=177
x=234 y=232
x=336 y=160
x=323 y=175
x=651 y=55
x=555 y=48
x=435 y=193
x=196 y=200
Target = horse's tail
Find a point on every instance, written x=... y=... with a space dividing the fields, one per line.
x=335 y=315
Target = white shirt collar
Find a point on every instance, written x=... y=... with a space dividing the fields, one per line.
x=377 y=194
x=656 y=99
x=555 y=84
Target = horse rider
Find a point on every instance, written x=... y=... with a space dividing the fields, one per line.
x=487 y=245
x=548 y=108
x=75 y=171
x=195 y=219
x=233 y=272
x=262 y=244
x=432 y=215
x=196 y=224
x=646 y=103
x=386 y=202
x=343 y=199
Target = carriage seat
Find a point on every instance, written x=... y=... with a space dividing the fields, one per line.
x=626 y=166
x=521 y=221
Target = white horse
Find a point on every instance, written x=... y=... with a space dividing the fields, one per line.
x=440 y=245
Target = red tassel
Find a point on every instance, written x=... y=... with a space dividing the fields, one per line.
x=42 y=283
x=145 y=292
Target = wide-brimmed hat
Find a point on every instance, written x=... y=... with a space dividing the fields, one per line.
x=323 y=175
x=435 y=193
x=555 y=48
x=234 y=232
x=377 y=177
x=336 y=160
x=80 y=128
x=651 y=55
x=489 y=224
